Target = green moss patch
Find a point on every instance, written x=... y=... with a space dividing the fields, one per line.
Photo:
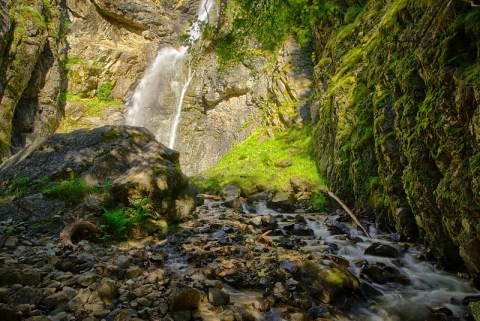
x=256 y=162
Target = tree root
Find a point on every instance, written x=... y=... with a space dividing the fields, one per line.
x=73 y=229
x=345 y=207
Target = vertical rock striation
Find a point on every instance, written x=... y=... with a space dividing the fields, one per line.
x=32 y=52
x=398 y=99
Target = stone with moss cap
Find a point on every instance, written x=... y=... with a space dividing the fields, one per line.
x=326 y=281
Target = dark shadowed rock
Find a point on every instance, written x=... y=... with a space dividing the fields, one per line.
x=381 y=273
x=8 y=313
x=281 y=200
x=379 y=249
x=184 y=297
x=121 y=164
x=218 y=297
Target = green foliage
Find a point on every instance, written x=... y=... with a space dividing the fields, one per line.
x=71 y=191
x=9 y=230
x=352 y=13
x=93 y=108
x=115 y=222
x=105 y=91
x=19 y=187
x=74 y=60
x=475 y=163
x=318 y=201
x=121 y=223
x=25 y=14
x=270 y=22
x=252 y=162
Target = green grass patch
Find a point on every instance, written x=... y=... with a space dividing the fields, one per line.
x=253 y=161
x=20 y=187
x=95 y=105
x=71 y=191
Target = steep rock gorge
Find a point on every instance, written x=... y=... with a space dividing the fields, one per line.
x=32 y=50
x=112 y=44
x=397 y=88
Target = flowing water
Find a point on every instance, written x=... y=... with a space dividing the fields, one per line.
x=418 y=290
x=157 y=100
x=428 y=287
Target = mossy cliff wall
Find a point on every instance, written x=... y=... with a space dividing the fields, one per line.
x=32 y=48
x=397 y=89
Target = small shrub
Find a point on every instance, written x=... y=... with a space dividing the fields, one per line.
x=127 y=222
x=71 y=191
x=105 y=91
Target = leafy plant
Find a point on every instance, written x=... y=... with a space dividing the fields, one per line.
x=318 y=201
x=115 y=222
x=105 y=91
x=121 y=223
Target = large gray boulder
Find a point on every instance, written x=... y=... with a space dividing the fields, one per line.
x=106 y=167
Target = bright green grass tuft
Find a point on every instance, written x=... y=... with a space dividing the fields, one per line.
x=252 y=162
x=71 y=191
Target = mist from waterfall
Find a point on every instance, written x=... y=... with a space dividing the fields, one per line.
x=158 y=98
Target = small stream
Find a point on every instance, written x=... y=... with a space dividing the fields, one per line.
x=429 y=287
x=397 y=283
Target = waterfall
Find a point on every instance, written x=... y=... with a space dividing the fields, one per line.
x=158 y=98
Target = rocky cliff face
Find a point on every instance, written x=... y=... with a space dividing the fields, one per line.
x=32 y=48
x=112 y=42
x=226 y=103
x=398 y=94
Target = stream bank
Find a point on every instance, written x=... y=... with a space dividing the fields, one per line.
x=227 y=265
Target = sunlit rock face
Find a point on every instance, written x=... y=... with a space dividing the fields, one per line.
x=118 y=165
x=397 y=127
x=226 y=103
x=115 y=41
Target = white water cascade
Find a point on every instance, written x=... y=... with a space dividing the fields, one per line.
x=157 y=100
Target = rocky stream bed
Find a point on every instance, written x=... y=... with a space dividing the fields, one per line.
x=225 y=265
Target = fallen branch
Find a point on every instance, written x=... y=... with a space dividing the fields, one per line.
x=264 y=238
x=74 y=228
x=210 y=197
x=345 y=207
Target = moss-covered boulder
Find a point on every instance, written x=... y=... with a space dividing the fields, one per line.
x=85 y=172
